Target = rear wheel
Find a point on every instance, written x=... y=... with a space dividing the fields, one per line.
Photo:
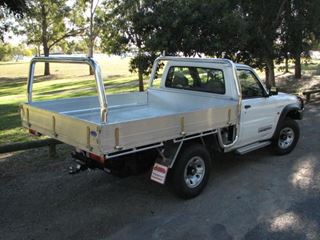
x=287 y=137
x=191 y=171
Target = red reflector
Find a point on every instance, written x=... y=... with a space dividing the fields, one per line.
x=34 y=132
x=96 y=157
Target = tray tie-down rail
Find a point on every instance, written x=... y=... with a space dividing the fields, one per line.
x=71 y=59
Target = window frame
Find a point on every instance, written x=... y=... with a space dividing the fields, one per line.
x=196 y=90
x=264 y=92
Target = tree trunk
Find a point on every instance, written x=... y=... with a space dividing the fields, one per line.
x=297 y=66
x=140 y=65
x=270 y=80
x=90 y=54
x=91 y=44
x=286 y=64
x=267 y=77
x=140 y=74
x=46 y=49
x=46 y=54
x=38 y=51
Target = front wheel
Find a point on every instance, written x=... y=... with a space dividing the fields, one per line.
x=191 y=171
x=287 y=137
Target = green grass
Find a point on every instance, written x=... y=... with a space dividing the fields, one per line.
x=66 y=81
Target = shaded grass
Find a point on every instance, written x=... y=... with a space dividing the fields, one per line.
x=10 y=130
x=310 y=78
x=9 y=116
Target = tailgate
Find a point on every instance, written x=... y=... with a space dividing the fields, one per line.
x=75 y=132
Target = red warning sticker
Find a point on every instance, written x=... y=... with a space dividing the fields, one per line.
x=159 y=173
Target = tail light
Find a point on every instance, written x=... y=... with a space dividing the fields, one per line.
x=95 y=157
x=34 y=132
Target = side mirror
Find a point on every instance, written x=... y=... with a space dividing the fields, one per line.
x=273 y=91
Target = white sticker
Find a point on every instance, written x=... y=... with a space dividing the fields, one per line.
x=159 y=173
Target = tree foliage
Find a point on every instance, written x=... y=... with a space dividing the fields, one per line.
x=300 y=28
x=89 y=19
x=124 y=30
x=47 y=23
x=262 y=23
x=248 y=31
x=16 y=6
x=7 y=9
x=9 y=52
x=192 y=27
x=240 y=30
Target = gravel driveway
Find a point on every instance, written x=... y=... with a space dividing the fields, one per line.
x=257 y=196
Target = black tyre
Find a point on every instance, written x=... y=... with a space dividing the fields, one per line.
x=191 y=171
x=287 y=137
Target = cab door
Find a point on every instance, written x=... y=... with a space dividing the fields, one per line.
x=258 y=112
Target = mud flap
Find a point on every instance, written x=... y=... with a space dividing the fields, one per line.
x=159 y=173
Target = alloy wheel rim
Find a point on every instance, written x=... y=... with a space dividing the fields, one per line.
x=194 y=172
x=286 y=138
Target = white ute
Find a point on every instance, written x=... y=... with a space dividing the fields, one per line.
x=196 y=107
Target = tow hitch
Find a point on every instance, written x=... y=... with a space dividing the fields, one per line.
x=84 y=163
x=77 y=168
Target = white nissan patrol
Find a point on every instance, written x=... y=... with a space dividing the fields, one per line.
x=193 y=109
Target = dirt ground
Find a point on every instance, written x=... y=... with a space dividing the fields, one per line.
x=257 y=196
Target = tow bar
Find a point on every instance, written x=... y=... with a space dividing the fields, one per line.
x=84 y=163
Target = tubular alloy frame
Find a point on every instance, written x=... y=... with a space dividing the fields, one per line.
x=80 y=60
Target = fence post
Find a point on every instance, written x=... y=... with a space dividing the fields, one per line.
x=52 y=150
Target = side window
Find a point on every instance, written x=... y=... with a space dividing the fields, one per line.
x=250 y=85
x=196 y=79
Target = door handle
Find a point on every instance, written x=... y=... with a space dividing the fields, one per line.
x=247 y=106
